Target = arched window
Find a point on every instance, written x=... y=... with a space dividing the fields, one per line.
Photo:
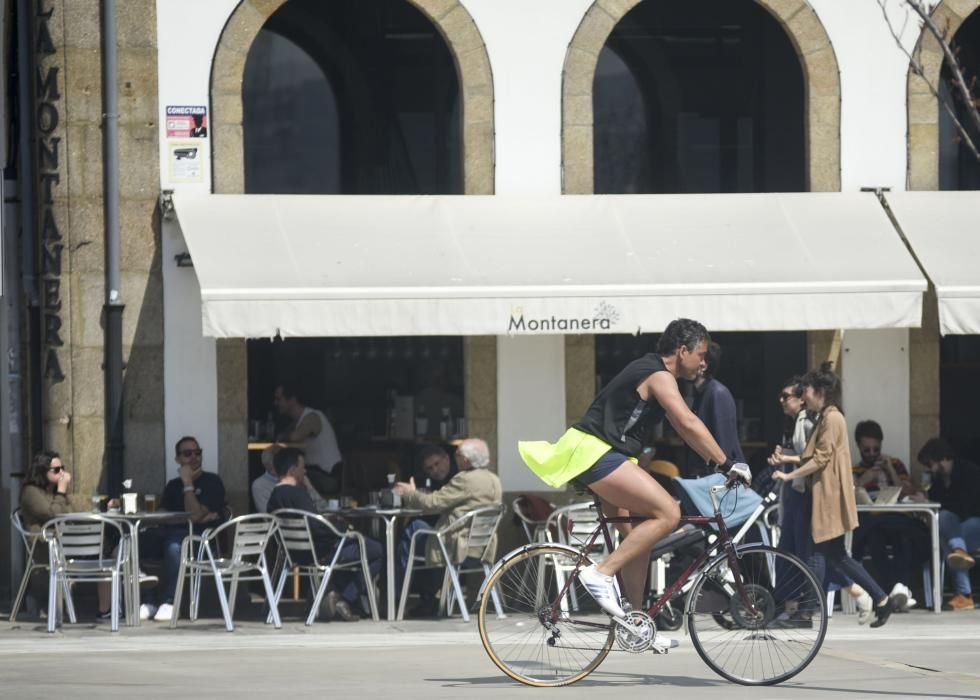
x=958 y=167
x=698 y=97
x=351 y=97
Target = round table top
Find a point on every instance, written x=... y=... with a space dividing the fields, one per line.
x=159 y=515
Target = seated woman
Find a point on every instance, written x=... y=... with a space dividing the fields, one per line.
x=44 y=495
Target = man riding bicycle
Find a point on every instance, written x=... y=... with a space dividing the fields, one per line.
x=599 y=453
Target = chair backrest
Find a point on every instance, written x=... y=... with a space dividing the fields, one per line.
x=78 y=536
x=532 y=512
x=296 y=533
x=252 y=534
x=481 y=524
x=29 y=538
x=575 y=524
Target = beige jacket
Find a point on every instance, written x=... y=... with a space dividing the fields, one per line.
x=467 y=490
x=834 y=507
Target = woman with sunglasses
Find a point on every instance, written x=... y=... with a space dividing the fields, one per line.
x=44 y=495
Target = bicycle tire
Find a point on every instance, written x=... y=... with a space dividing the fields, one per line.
x=520 y=644
x=779 y=639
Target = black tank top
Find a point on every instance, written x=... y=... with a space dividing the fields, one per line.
x=618 y=415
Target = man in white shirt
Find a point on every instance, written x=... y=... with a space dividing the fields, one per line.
x=311 y=430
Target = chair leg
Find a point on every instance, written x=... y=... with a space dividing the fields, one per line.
x=407 y=582
x=233 y=592
x=493 y=594
x=179 y=590
x=114 y=601
x=220 y=585
x=22 y=591
x=53 y=602
x=451 y=571
x=368 y=583
x=69 y=602
x=321 y=584
x=283 y=575
x=270 y=595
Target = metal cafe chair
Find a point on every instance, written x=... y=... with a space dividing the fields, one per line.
x=76 y=553
x=298 y=553
x=534 y=529
x=573 y=525
x=200 y=555
x=30 y=540
x=481 y=524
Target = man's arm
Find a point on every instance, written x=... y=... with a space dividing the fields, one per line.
x=662 y=387
x=199 y=512
x=448 y=497
x=308 y=427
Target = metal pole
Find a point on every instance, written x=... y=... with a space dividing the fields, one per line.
x=113 y=307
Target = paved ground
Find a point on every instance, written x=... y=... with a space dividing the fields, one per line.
x=917 y=655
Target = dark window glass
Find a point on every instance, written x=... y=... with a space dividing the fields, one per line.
x=699 y=97
x=958 y=167
x=351 y=97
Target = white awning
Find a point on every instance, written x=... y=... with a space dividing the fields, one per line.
x=496 y=265
x=943 y=229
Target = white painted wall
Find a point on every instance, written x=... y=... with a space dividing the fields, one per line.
x=876 y=386
x=188 y=32
x=530 y=402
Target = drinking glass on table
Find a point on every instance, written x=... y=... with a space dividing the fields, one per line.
x=150 y=503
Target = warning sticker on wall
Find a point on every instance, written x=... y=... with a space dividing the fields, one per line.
x=186 y=121
x=185 y=158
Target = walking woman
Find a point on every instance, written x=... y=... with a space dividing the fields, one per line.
x=826 y=461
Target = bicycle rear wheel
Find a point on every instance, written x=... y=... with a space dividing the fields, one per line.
x=526 y=644
x=773 y=639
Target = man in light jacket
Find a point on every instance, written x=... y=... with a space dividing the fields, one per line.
x=474 y=486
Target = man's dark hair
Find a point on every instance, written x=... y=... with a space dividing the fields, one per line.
x=286 y=459
x=796 y=382
x=432 y=450
x=935 y=450
x=681 y=332
x=712 y=360
x=182 y=441
x=827 y=383
x=290 y=391
x=868 y=429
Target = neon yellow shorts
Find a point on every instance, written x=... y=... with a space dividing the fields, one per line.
x=557 y=464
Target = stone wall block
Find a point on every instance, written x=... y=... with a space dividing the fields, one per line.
x=143 y=317
x=577 y=110
x=460 y=31
x=81 y=86
x=474 y=67
x=783 y=10
x=266 y=8
x=136 y=25
x=959 y=10
x=924 y=156
x=88 y=385
x=145 y=450
x=232 y=363
x=139 y=156
x=577 y=177
x=140 y=233
x=229 y=159
x=85 y=174
x=825 y=161
x=228 y=106
x=87 y=299
x=617 y=9
x=579 y=375
x=59 y=396
x=594 y=30
x=143 y=383
x=89 y=461
x=137 y=87
x=233 y=463
x=579 y=72
x=477 y=109
x=82 y=23
x=807 y=33
x=87 y=237
x=227 y=72
x=822 y=74
x=242 y=28
x=436 y=9
x=923 y=108
x=478 y=177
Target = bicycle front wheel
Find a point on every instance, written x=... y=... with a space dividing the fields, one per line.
x=769 y=632
x=539 y=639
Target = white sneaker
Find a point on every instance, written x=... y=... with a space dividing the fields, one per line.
x=901 y=597
x=662 y=644
x=603 y=589
x=164 y=613
x=147 y=611
x=865 y=608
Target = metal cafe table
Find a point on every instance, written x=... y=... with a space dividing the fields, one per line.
x=137 y=521
x=389 y=516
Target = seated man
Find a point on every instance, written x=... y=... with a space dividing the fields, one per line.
x=194 y=491
x=436 y=467
x=290 y=492
x=474 y=486
x=903 y=534
x=956 y=486
x=263 y=485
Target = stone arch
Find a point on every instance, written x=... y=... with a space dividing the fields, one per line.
x=923 y=107
x=798 y=20
x=458 y=30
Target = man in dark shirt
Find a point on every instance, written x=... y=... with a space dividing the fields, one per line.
x=715 y=406
x=956 y=486
x=194 y=491
x=291 y=492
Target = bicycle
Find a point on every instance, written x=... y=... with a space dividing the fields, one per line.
x=756 y=615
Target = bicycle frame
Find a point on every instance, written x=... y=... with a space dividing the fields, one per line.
x=724 y=541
